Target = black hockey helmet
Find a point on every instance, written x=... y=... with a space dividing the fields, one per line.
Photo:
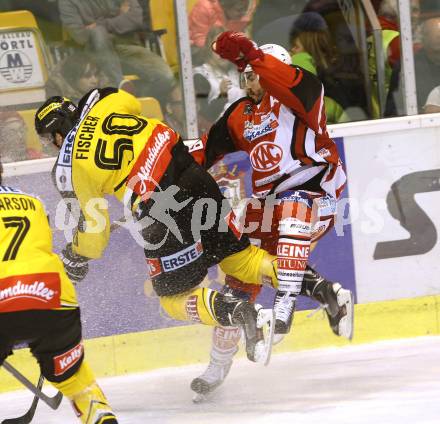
x=56 y=115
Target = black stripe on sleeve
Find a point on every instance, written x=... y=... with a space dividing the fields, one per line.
x=308 y=91
x=293 y=140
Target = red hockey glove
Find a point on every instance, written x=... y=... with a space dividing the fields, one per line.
x=237 y=48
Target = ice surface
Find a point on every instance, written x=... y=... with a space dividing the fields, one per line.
x=391 y=382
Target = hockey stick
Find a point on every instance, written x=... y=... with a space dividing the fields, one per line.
x=53 y=402
x=29 y=415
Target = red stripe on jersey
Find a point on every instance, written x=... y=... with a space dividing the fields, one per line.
x=339 y=191
x=31 y=291
x=153 y=161
x=298 y=77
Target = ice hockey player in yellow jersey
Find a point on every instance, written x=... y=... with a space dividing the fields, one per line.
x=108 y=148
x=38 y=305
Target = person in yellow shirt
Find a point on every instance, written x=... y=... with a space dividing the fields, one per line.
x=38 y=305
x=185 y=224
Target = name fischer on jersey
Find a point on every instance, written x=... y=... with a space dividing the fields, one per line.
x=85 y=136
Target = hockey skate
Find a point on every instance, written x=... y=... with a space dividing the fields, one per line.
x=258 y=327
x=284 y=308
x=214 y=375
x=337 y=302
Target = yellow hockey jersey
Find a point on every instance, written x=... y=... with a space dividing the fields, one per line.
x=31 y=275
x=112 y=150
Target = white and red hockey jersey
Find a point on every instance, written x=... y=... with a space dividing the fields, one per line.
x=285 y=134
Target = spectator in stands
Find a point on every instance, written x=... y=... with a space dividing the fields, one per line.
x=44 y=11
x=174 y=111
x=216 y=83
x=265 y=27
x=433 y=101
x=415 y=23
x=427 y=60
x=348 y=70
x=74 y=77
x=234 y=15
x=312 y=49
x=427 y=69
x=388 y=19
x=13 y=133
x=48 y=149
x=109 y=30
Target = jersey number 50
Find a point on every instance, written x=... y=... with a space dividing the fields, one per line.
x=121 y=124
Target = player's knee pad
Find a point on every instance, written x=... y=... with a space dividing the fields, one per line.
x=78 y=382
x=196 y=305
x=251 y=265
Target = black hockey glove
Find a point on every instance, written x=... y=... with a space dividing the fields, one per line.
x=76 y=266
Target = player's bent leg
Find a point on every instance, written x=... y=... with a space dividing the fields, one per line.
x=224 y=347
x=60 y=354
x=212 y=308
x=224 y=344
x=337 y=301
x=88 y=400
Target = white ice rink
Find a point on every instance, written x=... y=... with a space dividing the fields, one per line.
x=392 y=382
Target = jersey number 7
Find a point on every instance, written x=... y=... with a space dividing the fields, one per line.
x=22 y=225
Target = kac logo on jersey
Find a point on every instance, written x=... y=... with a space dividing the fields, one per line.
x=266 y=156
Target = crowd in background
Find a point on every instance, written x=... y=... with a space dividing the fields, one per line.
x=104 y=43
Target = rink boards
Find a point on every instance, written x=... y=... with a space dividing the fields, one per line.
x=384 y=247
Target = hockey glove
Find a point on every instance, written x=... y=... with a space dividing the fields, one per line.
x=237 y=48
x=75 y=265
